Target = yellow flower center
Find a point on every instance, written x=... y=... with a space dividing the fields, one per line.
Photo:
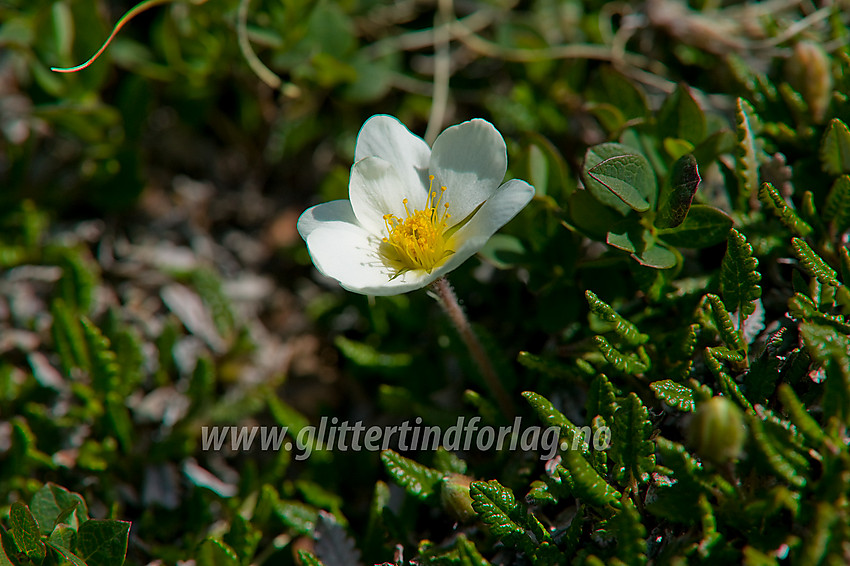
x=418 y=241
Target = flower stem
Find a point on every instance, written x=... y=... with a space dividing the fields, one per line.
x=450 y=304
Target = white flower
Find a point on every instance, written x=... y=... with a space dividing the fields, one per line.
x=414 y=213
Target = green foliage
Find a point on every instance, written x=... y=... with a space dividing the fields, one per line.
x=55 y=529
x=774 y=201
x=739 y=277
x=153 y=286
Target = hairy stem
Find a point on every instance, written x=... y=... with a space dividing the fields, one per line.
x=450 y=304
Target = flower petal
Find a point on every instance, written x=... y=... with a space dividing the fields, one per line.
x=323 y=214
x=375 y=189
x=470 y=159
x=506 y=202
x=349 y=254
x=385 y=137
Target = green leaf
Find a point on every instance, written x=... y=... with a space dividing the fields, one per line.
x=632 y=448
x=625 y=329
x=704 y=226
x=547 y=413
x=746 y=167
x=800 y=416
x=656 y=255
x=727 y=385
x=68 y=337
x=63 y=537
x=730 y=336
x=601 y=399
x=615 y=89
x=468 y=553
x=815 y=548
x=307 y=558
x=367 y=356
x=674 y=394
x=26 y=533
x=760 y=380
x=213 y=552
x=298 y=516
x=771 y=198
x=104 y=367
x=53 y=504
x=447 y=463
x=739 y=277
x=498 y=509
x=626 y=363
x=837 y=208
x=681 y=117
x=547 y=367
x=619 y=178
x=774 y=452
x=620 y=175
x=590 y=215
x=103 y=542
x=631 y=534
x=589 y=485
x=419 y=481
x=676 y=200
x=835 y=148
x=813 y=264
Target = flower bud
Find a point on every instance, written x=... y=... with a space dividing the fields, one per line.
x=717 y=431
x=808 y=71
x=454 y=495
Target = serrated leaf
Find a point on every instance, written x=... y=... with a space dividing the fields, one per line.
x=26 y=533
x=547 y=413
x=334 y=546
x=619 y=178
x=625 y=329
x=746 y=167
x=773 y=452
x=837 y=208
x=727 y=385
x=676 y=201
x=739 y=277
x=626 y=363
x=103 y=542
x=835 y=148
x=725 y=325
x=760 y=380
x=632 y=448
x=601 y=399
x=53 y=504
x=813 y=264
x=68 y=337
x=498 y=509
x=771 y=198
x=419 y=481
x=589 y=486
x=704 y=226
x=674 y=394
